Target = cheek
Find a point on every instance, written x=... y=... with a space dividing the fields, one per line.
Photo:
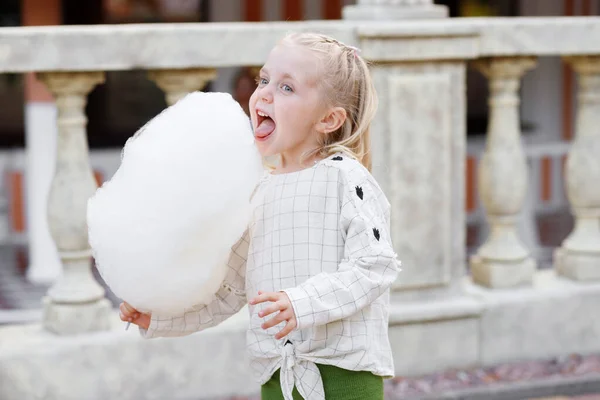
x=293 y=115
x=300 y=120
x=252 y=99
x=252 y=105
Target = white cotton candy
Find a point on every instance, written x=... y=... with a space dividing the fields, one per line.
x=162 y=228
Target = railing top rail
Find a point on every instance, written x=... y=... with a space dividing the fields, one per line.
x=213 y=45
x=149 y=46
x=504 y=36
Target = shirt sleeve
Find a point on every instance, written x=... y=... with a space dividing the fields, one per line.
x=230 y=298
x=369 y=266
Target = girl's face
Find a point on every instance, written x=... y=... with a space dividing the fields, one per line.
x=287 y=107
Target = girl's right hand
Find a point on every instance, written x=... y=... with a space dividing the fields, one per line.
x=130 y=314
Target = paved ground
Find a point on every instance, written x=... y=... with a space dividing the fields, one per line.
x=574 y=367
x=588 y=397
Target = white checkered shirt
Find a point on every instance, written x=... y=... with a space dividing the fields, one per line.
x=321 y=235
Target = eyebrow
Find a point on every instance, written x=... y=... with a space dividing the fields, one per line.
x=285 y=75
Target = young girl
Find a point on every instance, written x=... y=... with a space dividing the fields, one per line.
x=316 y=263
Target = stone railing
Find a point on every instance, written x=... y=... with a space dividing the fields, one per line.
x=441 y=317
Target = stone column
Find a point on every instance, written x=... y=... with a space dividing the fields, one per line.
x=579 y=256
x=418 y=143
x=394 y=10
x=176 y=83
x=418 y=147
x=75 y=303
x=503 y=260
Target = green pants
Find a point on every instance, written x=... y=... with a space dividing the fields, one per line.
x=339 y=384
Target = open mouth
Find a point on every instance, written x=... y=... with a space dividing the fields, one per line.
x=265 y=125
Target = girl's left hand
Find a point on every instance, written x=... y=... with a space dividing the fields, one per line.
x=281 y=302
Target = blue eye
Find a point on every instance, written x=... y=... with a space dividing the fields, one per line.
x=261 y=81
x=287 y=88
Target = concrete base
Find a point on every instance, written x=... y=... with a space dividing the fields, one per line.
x=69 y=319
x=119 y=364
x=553 y=317
x=387 y=13
x=435 y=335
x=502 y=275
x=577 y=266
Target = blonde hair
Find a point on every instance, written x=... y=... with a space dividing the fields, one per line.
x=346 y=83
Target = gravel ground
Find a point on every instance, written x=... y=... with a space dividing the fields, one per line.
x=574 y=365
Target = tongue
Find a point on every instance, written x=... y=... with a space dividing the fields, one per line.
x=265 y=128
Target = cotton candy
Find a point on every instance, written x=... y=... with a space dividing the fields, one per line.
x=161 y=230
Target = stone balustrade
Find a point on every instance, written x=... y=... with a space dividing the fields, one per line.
x=177 y=83
x=579 y=256
x=75 y=303
x=503 y=260
x=441 y=316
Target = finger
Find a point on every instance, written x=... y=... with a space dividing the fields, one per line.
x=289 y=327
x=125 y=317
x=126 y=313
x=274 y=307
x=131 y=311
x=128 y=307
x=124 y=310
x=279 y=318
x=262 y=297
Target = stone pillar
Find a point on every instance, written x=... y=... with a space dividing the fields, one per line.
x=176 y=83
x=394 y=10
x=75 y=303
x=503 y=260
x=579 y=256
x=418 y=143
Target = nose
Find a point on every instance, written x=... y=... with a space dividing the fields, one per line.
x=265 y=94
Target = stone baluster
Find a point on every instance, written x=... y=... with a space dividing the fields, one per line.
x=394 y=10
x=579 y=256
x=177 y=83
x=503 y=260
x=75 y=303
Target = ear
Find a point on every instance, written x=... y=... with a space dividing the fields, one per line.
x=332 y=121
